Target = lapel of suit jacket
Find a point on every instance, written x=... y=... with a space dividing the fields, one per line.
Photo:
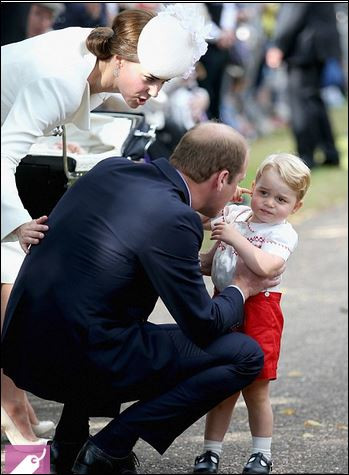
x=172 y=174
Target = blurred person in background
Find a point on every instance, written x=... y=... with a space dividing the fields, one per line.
x=20 y=21
x=186 y=105
x=85 y=15
x=41 y=17
x=13 y=22
x=57 y=78
x=223 y=17
x=306 y=38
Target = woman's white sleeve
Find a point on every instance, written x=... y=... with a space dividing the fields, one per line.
x=38 y=108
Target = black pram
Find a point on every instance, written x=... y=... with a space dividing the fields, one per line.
x=55 y=163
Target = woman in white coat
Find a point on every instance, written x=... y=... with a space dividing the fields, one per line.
x=58 y=78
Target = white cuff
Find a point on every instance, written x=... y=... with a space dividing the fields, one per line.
x=243 y=297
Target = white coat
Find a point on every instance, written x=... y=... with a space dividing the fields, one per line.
x=43 y=85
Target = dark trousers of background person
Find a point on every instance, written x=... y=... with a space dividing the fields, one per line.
x=309 y=118
x=167 y=405
x=215 y=62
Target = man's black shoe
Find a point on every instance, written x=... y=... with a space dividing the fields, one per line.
x=206 y=463
x=92 y=459
x=62 y=456
x=258 y=463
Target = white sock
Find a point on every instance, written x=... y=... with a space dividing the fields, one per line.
x=214 y=446
x=262 y=444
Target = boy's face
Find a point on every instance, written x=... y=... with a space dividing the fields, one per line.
x=272 y=199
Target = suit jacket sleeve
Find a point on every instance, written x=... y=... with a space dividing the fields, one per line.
x=291 y=20
x=170 y=259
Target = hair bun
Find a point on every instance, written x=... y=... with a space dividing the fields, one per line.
x=98 y=42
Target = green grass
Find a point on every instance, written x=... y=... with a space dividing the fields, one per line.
x=329 y=186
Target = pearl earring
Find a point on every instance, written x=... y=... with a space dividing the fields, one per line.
x=116 y=72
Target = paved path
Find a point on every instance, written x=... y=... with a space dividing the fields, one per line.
x=310 y=398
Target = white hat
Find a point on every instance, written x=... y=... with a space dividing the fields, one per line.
x=172 y=42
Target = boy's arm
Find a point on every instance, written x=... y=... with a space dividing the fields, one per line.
x=257 y=260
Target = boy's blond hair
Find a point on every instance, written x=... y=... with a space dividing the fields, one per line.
x=291 y=169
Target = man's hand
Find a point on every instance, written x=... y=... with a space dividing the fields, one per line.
x=31 y=233
x=226 y=39
x=205 y=264
x=250 y=283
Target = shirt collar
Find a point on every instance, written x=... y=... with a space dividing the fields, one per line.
x=186 y=184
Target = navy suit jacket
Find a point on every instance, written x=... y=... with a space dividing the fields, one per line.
x=119 y=238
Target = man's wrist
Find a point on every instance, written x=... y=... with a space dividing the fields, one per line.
x=240 y=290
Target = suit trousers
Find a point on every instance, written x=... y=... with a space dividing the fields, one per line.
x=215 y=61
x=202 y=378
x=310 y=123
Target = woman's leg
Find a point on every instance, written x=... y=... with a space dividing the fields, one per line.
x=14 y=400
x=31 y=413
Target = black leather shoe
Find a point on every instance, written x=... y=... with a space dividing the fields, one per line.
x=92 y=459
x=62 y=456
x=206 y=463
x=258 y=463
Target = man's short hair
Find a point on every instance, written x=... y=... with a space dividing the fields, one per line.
x=207 y=148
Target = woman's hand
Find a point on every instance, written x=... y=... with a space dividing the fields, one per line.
x=31 y=233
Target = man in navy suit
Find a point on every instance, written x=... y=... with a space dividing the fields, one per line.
x=76 y=327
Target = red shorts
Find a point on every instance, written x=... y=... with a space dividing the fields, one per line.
x=264 y=323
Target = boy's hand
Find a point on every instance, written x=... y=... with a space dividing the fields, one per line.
x=237 y=196
x=223 y=232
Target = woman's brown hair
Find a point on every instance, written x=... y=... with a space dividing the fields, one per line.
x=122 y=38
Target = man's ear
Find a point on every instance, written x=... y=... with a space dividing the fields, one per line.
x=297 y=206
x=222 y=178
